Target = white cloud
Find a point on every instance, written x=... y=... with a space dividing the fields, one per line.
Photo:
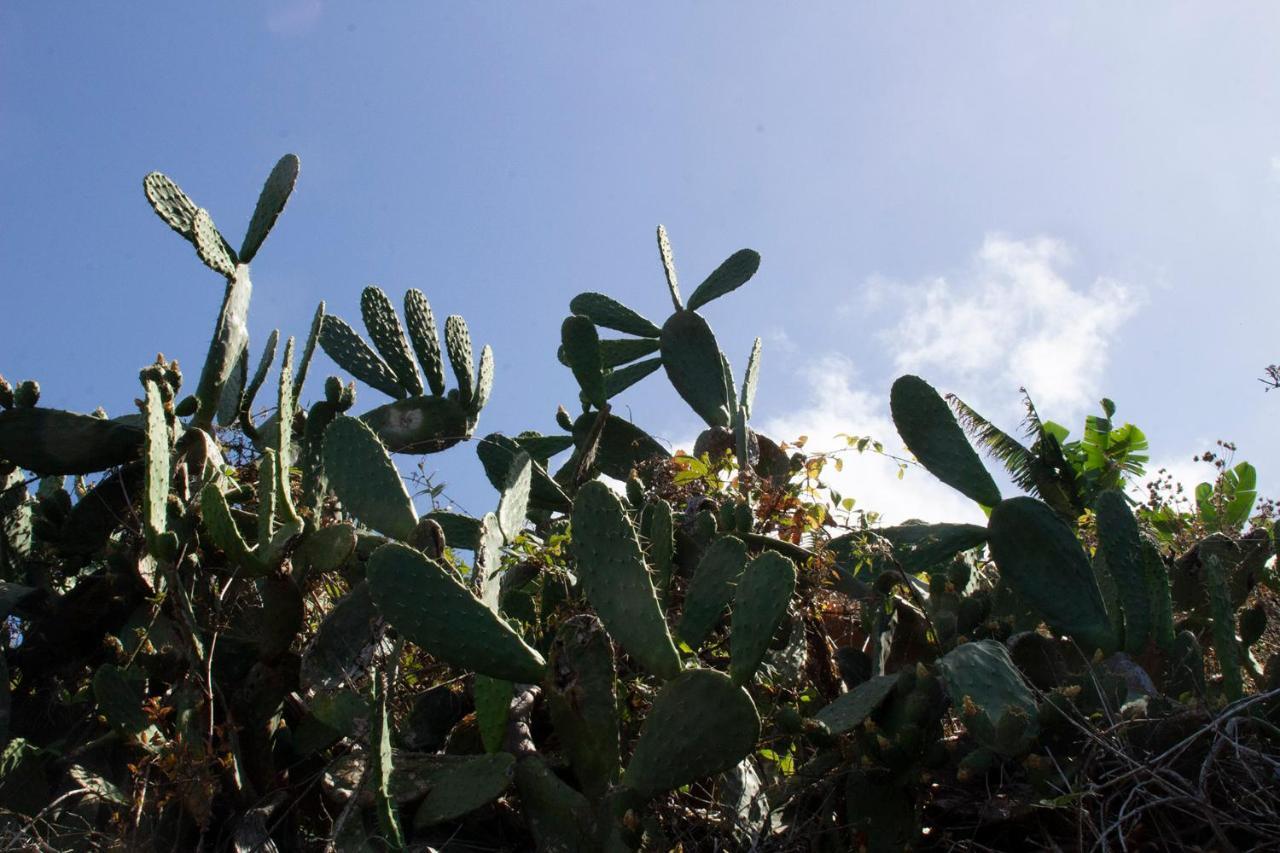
x=1014 y=320
x=1275 y=167
x=835 y=406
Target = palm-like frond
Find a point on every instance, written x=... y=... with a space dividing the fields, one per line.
x=1018 y=460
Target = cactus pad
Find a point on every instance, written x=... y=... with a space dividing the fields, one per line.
x=736 y=271
x=425 y=602
x=931 y=432
x=1041 y=560
x=613 y=573
x=365 y=479
x=271 y=201
x=388 y=337
x=759 y=606
x=700 y=724
x=712 y=588
x=611 y=314
x=693 y=363
x=426 y=342
x=351 y=353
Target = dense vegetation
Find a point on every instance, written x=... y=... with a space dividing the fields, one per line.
x=230 y=628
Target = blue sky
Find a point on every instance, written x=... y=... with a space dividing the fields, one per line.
x=1083 y=201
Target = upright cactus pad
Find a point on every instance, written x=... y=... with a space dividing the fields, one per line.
x=669 y=268
x=366 y=480
x=457 y=342
x=1226 y=645
x=613 y=574
x=712 y=588
x=271 y=201
x=582 y=350
x=691 y=357
x=211 y=246
x=1041 y=560
x=384 y=329
x=1121 y=547
x=759 y=606
x=426 y=341
x=426 y=603
x=700 y=724
x=582 y=697
x=930 y=431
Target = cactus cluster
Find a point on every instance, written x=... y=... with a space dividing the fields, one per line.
x=240 y=624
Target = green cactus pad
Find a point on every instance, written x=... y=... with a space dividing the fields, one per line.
x=583 y=700
x=325 y=550
x=759 y=606
x=352 y=354
x=426 y=342
x=930 y=431
x=308 y=350
x=493 y=707
x=419 y=424
x=342 y=637
x=700 y=724
x=245 y=403
x=1121 y=548
x=460 y=531
x=1225 y=643
x=514 y=502
x=623 y=445
x=271 y=201
x=381 y=768
x=211 y=247
x=617 y=381
x=461 y=784
x=230 y=339
x=233 y=391
x=426 y=603
x=612 y=570
x=484 y=382
x=1157 y=583
x=560 y=818
x=160 y=543
x=711 y=589
x=736 y=271
x=457 y=341
x=851 y=709
x=658 y=527
x=170 y=203
x=388 y=337
x=1041 y=560
x=497 y=452
x=614 y=353
x=608 y=313
x=692 y=360
x=582 y=351
x=983 y=673
x=747 y=398
x=51 y=441
x=669 y=268
x=366 y=480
